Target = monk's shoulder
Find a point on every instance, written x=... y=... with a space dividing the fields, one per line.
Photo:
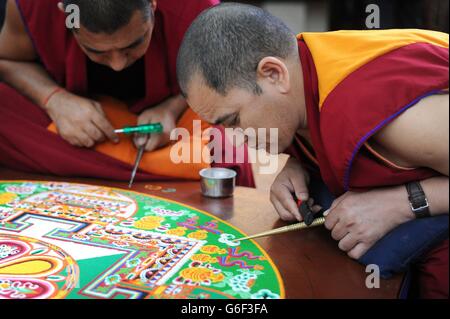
x=15 y=43
x=42 y=7
x=419 y=137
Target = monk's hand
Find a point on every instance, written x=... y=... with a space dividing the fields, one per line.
x=359 y=220
x=290 y=183
x=167 y=115
x=79 y=121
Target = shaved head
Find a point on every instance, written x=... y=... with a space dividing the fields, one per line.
x=225 y=44
x=108 y=16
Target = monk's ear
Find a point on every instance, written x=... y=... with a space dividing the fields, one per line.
x=61 y=7
x=154 y=4
x=274 y=71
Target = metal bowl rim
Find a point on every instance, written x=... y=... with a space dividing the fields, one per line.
x=232 y=173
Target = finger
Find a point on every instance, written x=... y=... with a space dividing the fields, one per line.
x=300 y=188
x=339 y=231
x=286 y=199
x=71 y=139
x=99 y=108
x=85 y=140
x=284 y=196
x=331 y=218
x=74 y=141
x=348 y=243
x=153 y=142
x=103 y=124
x=140 y=140
x=316 y=209
x=332 y=214
x=336 y=203
x=94 y=133
x=282 y=212
x=145 y=118
x=358 y=251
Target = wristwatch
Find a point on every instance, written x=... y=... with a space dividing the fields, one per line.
x=418 y=200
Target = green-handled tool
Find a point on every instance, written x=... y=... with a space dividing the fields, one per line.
x=141 y=129
x=136 y=165
x=155 y=128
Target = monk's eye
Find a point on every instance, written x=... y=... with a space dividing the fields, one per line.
x=236 y=120
x=136 y=44
x=231 y=121
x=95 y=52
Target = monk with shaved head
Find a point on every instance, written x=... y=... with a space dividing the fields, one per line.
x=366 y=112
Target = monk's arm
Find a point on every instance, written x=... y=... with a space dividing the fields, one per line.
x=17 y=60
x=417 y=138
x=178 y=106
x=30 y=79
x=420 y=138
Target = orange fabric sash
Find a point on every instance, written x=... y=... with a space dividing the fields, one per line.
x=157 y=162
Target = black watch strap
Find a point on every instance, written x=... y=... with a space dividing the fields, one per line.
x=418 y=200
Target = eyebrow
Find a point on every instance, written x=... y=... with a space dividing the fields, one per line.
x=134 y=44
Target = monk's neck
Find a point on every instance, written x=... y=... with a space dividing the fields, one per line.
x=299 y=99
x=300 y=102
x=303 y=129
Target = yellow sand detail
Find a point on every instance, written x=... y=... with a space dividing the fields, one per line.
x=32 y=267
x=149 y=222
x=204 y=258
x=199 y=275
x=200 y=235
x=212 y=249
x=7 y=198
x=179 y=231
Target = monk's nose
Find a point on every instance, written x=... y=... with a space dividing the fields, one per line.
x=118 y=61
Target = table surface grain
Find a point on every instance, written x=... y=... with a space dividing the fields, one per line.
x=309 y=261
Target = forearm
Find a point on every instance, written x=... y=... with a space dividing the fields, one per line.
x=177 y=105
x=28 y=78
x=436 y=189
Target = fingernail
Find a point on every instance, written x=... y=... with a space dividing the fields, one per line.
x=141 y=141
x=326 y=213
x=303 y=197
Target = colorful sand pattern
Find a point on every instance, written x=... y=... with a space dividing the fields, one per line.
x=60 y=240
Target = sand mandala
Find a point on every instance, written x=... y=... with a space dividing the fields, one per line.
x=61 y=240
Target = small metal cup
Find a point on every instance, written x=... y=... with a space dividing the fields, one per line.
x=218 y=182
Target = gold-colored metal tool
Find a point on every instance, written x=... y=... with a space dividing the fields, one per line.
x=136 y=165
x=286 y=229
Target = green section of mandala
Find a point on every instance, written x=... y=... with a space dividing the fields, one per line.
x=96 y=267
x=155 y=248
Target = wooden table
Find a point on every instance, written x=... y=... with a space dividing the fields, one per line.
x=310 y=262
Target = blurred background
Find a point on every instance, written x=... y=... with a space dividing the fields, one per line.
x=324 y=15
